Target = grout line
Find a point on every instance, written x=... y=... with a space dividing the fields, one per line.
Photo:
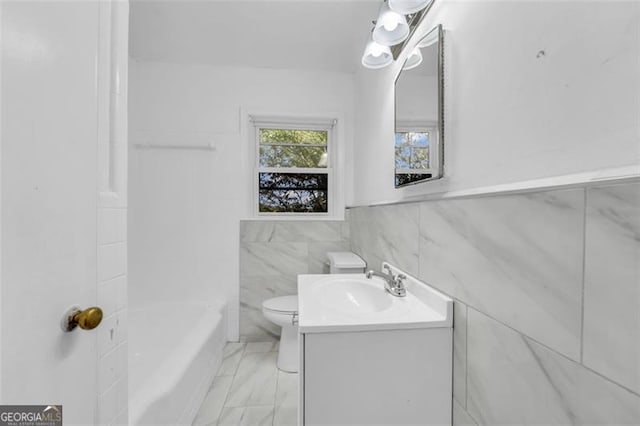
x=113 y=386
x=466 y=357
x=275 y=397
x=124 y=274
x=226 y=397
x=471 y=417
x=584 y=268
x=559 y=354
x=110 y=351
x=113 y=243
x=113 y=208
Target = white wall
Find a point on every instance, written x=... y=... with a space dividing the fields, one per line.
x=513 y=114
x=185 y=205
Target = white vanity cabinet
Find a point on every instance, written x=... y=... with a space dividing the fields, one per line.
x=380 y=361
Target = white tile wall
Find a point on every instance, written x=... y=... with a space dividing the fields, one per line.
x=112 y=261
x=112 y=333
x=112 y=215
x=112 y=225
x=107 y=405
x=461 y=417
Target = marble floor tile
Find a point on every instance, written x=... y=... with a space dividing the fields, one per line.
x=214 y=401
x=286 y=406
x=257 y=393
x=286 y=415
x=247 y=416
x=253 y=347
x=287 y=388
x=514 y=380
x=255 y=380
x=231 y=356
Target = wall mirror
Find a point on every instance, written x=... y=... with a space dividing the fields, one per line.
x=419 y=116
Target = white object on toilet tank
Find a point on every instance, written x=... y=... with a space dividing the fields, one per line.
x=345 y=262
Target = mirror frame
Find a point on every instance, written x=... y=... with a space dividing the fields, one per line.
x=440 y=98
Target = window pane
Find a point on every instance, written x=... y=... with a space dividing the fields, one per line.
x=292 y=201
x=403 y=157
x=412 y=150
x=293 y=156
x=420 y=139
x=293 y=192
x=405 y=178
x=419 y=158
x=298 y=137
x=293 y=181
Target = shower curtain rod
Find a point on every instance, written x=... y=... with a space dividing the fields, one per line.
x=208 y=147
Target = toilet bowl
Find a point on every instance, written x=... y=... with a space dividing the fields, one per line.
x=282 y=311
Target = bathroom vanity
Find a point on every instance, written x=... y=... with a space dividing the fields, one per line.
x=368 y=357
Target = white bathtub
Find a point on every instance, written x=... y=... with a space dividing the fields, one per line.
x=174 y=352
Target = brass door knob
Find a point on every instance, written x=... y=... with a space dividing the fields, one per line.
x=87 y=319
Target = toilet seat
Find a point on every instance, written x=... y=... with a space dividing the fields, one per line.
x=281 y=305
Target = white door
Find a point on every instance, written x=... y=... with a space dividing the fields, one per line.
x=52 y=73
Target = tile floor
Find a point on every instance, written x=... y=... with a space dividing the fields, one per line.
x=249 y=390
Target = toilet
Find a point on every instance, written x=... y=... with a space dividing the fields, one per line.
x=283 y=310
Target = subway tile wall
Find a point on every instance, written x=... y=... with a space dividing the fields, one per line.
x=547 y=289
x=272 y=255
x=112 y=94
x=112 y=298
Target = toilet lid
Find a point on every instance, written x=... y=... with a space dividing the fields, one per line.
x=281 y=304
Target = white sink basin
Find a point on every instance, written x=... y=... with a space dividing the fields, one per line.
x=352 y=302
x=353 y=295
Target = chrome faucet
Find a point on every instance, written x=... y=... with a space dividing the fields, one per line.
x=394 y=284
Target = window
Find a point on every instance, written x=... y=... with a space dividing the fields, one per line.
x=413 y=155
x=293 y=168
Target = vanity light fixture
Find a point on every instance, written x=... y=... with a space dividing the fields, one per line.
x=397 y=20
x=407 y=7
x=376 y=56
x=391 y=27
x=413 y=60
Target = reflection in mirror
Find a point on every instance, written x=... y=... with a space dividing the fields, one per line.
x=418 y=116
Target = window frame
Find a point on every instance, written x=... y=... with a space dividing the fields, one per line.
x=290 y=123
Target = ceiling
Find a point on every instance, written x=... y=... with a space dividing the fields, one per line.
x=324 y=35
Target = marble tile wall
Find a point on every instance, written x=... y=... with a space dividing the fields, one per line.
x=612 y=284
x=374 y=240
x=272 y=254
x=547 y=290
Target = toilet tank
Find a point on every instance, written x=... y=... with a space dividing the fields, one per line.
x=345 y=262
